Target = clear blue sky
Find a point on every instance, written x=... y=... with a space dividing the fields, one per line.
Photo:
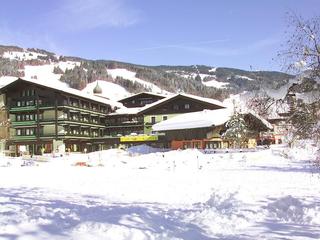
x=229 y=33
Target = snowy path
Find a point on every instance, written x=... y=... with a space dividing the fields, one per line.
x=172 y=195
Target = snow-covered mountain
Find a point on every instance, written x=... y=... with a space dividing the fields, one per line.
x=118 y=79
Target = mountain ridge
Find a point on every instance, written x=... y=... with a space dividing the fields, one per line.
x=77 y=72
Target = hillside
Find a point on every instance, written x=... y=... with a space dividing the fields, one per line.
x=206 y=81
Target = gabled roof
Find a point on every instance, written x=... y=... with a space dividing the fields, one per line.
x=203 y=119
x=255 y=115
x=66 y=90
x=141 y=93
x=193 y=97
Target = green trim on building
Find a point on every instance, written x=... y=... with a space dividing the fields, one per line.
x=23 y=109
x=82 y=110
x=23 y=123
x=19 y=138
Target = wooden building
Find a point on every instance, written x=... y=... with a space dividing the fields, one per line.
x=134 y=124
x=52 y=118
x=204 y=129
x=46 y=118
x=141 y=99
x=173 y=106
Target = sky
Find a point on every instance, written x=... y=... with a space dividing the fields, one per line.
x=244 y=34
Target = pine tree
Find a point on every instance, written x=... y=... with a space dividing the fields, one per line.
x=237 y=131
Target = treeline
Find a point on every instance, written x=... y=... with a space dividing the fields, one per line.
x=11 y=68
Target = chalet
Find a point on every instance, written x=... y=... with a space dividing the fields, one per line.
x=204 y=129
x=133 y=125
x=49 y=117
x=127 y=120
x=173 y=106
x=54 y=118
x=141 y=99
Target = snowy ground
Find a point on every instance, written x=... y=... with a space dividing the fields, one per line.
x=162 y=195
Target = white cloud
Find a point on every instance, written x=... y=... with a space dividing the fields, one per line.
x=182 y=45
x=221 y=51
x=77 y=15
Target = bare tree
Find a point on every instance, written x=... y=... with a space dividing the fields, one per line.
x=261 y=103
x=302 y=49
x=301 y=55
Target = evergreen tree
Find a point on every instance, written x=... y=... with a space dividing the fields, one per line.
x=237 y=131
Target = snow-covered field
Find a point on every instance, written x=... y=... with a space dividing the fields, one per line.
x=162 y=195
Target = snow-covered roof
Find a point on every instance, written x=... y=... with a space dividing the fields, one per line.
x=264 y=121
x=69 y=91
x=148 y=93
x=125 y=110
x=202 y=99
x=205 y=118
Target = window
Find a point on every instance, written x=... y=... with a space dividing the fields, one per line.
x=153 y=120
x=30 y=103
x=18 y=103
x=18 y=132
x=164 y=118
x=187 y=106
x=175 y=107
x=18 y=118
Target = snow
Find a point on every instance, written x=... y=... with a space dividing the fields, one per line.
x=202 y=119
x=264 y=121
x=205 y=118
x=5 y=80
x=129 y=75
x=162 y=195
x=64 y=88
x=44 y=74
x=110 y=90
x=215 y=83
x=211 y=83
x=214 y=69
x=245 y=77
x=124 y=110
x=282 y=91
x=309 y=97
x=24 y=55
x=64 y=65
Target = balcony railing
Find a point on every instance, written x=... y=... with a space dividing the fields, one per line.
x=23 y=123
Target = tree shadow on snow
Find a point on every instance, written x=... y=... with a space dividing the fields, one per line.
x=290 y=218
x=290 y=169
x=63 y=216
